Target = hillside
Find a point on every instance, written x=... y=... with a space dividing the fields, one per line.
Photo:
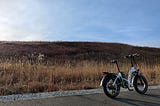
x=69 y=51
x=63 y=65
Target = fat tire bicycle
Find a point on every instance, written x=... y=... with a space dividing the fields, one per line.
x=111 y=82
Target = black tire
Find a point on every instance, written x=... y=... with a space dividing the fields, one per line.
x=107 y=87
x=140 y=81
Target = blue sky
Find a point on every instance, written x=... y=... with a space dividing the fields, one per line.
x=135 y=22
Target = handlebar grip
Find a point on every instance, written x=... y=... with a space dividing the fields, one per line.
x=113 y=61
x=132 y=55
x=136 y=54
x=128 y=56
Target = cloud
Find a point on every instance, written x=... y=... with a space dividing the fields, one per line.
x=21 y=20
x=8 y=33
x=83 y=20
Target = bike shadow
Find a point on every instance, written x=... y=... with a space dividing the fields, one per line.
x=152 y=95
x=137 y=102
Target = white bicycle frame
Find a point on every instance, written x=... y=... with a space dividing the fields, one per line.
x=119 y=75
x=129 y=80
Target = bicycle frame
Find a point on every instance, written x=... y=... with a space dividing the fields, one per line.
x=129 y=80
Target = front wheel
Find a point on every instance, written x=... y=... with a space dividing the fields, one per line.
x=140 y=84
x=109 y=89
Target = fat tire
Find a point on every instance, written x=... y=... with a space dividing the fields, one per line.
x=108 y=78
x=136 y=87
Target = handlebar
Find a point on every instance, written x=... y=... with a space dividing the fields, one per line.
x=132 y=55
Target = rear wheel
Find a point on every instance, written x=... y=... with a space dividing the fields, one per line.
x=109 y=89
x=140 y=84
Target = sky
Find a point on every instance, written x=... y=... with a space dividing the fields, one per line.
x=135 y=22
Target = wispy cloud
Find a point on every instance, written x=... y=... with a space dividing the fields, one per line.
x=21 y=20
x=81 y=20
x=8 y=33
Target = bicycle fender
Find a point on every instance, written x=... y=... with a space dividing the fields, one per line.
x=113 y=75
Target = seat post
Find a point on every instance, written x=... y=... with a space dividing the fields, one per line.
x=117 y=66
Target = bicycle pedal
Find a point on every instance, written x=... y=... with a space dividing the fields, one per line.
x=130 y=89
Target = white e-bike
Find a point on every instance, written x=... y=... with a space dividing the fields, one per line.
x=112 y=82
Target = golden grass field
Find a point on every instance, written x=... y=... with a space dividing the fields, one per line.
x=26 y=77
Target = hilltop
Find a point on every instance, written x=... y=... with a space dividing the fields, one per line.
x=63 y=51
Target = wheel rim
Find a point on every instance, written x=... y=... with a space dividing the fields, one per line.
x=141 y=84
x=112 y=90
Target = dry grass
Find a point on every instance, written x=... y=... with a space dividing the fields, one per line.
x=25 y=77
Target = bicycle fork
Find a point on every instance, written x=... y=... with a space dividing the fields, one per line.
x=131 y=80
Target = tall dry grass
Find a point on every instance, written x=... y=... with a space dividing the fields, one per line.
x=26 y=77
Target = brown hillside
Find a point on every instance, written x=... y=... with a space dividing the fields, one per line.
x=69 y=51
